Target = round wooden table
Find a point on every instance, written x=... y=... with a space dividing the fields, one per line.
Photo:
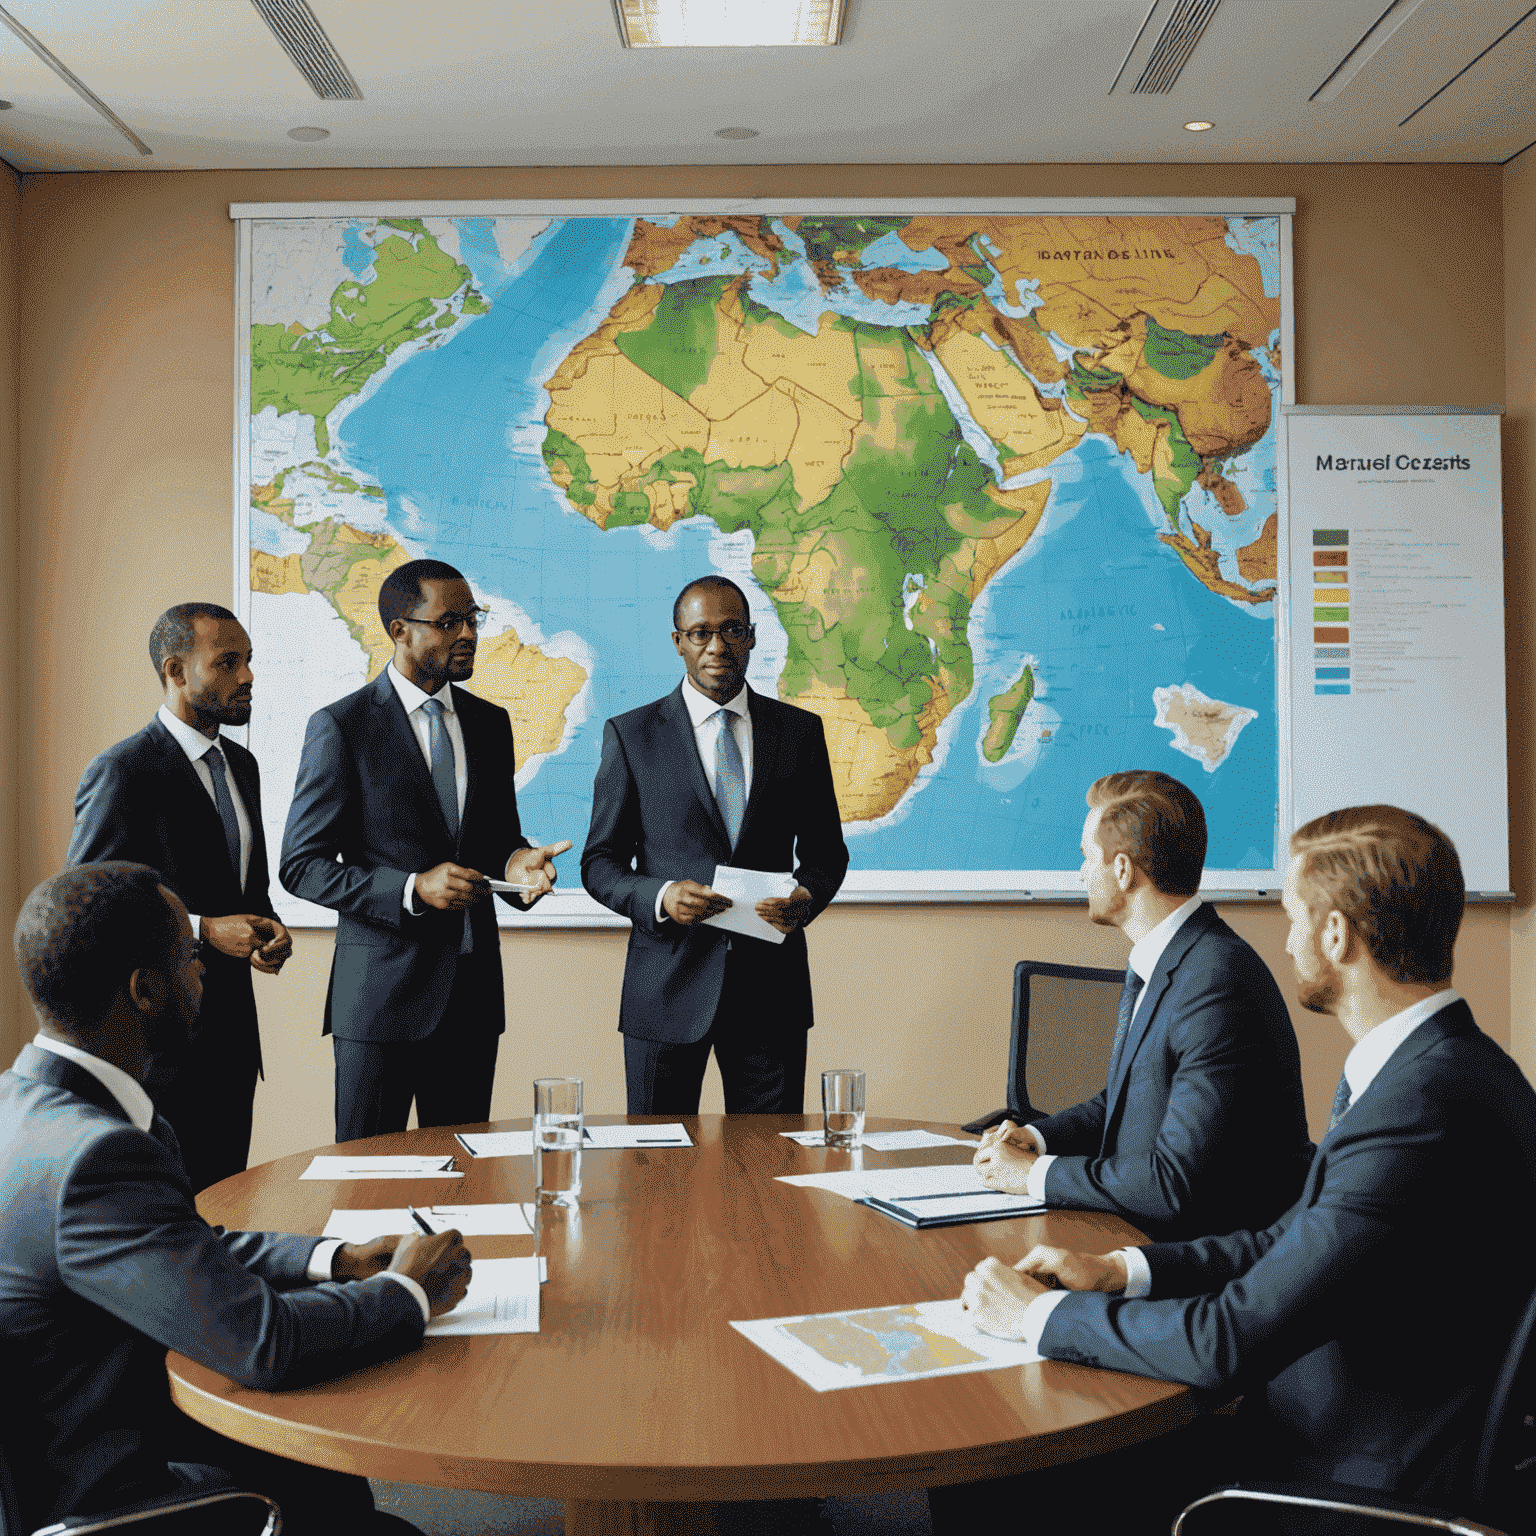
x=636 y=1402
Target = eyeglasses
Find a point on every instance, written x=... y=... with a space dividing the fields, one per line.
x=452 y=623
x=732 y=634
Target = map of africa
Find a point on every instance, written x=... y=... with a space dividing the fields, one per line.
x=1000 y=488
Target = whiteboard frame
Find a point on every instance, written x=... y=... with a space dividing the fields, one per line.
x=573 y=908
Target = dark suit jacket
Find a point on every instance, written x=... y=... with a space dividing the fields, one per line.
x=1202 y=1127
x=105 y=1264
x=1378 y=1307
x=654 y=820
x=364 y=791
x=142 y=800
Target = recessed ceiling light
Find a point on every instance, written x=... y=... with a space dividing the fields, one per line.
x=735 y=133
x=309 y=135
x=729 y=23
x=1199 y=127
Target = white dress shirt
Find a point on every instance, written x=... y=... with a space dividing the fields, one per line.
x=137 y=1105
x=1145 y=953
x=706 y=732
x=412 y=698
x=196 y=746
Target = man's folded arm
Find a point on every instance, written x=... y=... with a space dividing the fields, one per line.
x=1078 y=1129
x=129 y=1241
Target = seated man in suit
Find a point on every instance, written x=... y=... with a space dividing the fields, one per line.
x=1355 y=1366
x=1201 y=1126
x=105 y=1263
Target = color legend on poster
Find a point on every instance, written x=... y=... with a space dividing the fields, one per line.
x=1330 y=611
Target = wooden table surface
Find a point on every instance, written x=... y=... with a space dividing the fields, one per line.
x=635 y=1387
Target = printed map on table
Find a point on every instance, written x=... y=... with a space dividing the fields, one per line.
x=1001 y=491
x=901 y=1343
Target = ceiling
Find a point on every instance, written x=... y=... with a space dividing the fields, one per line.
x=205 y=85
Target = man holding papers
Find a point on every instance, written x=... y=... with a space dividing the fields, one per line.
x=1201 y=1126
x=105 y=1263
x=1354 y=1364
x=715 y=775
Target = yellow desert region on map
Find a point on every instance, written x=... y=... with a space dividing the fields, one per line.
x=887 y=1342
x=1204 y=729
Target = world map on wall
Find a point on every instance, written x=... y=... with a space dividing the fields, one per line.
x=1001 y=491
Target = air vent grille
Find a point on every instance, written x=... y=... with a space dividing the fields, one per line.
x=303 y=39
x=1171 y=53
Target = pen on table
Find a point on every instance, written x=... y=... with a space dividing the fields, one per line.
x=420 y=1220
x=461 y=1141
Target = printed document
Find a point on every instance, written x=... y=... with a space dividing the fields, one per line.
x=503 y=1297
x=747 y=887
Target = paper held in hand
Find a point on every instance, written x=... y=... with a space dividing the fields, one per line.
x=747 y=887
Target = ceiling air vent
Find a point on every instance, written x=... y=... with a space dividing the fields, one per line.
x=303 y=39
x=1160 y=52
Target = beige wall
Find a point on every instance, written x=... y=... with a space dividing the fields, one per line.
x=11 y=890
x=127 y=352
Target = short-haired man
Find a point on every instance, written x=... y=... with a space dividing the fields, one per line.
x=186 y=800
x=105 y=1263
x=404 y=797
x=1201 y=1126
x=712 y=774
x=1353 y=1368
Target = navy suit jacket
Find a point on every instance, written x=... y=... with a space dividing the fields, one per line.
x=105 y=1264
x=655 y=820
x=1368 y=1320
x=1202 y=1126
x=142 y=800
x=364 y=791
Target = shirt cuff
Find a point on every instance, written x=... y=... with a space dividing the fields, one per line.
x=197 y=926
x=322 y=1258
x=408 y=896
x=1138 y=1273
x=1037 y=1314
x=414 y=1289
x=661 y=916
x=1034 y=1182
x=1037 y=1136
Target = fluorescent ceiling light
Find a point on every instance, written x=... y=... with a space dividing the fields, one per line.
x=728 y=23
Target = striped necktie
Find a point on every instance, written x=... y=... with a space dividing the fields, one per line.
x=1128 y=995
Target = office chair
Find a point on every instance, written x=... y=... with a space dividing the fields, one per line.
x=1064 y=1022
x=1501 y=1486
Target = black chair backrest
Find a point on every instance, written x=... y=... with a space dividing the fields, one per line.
x=1063 y=1027
x=1504 y=1475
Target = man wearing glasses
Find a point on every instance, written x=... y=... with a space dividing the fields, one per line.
x=713 y=774
x=404 y=800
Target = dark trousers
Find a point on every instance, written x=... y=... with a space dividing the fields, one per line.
x=762 y=1064
x=208 y=1102
x=449 y=1073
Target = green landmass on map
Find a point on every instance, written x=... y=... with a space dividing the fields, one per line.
x=1006 y=709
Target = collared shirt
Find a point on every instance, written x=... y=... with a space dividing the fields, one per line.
x=412 y=698
x=1145 y=953
x=706 y=732
x=139 y=1107
x=196 y=746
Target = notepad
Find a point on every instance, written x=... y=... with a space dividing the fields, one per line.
x=438 y=1167
x=958 y=1182
x=355 y=1226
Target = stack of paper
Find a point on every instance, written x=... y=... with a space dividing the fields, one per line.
x=437 y=1167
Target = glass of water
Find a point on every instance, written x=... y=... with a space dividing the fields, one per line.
x=842 y=1106
x=557 y=1128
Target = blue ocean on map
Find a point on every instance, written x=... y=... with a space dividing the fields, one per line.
x=1108 y=613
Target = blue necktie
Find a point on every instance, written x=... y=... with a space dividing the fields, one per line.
x=226 y=808
x=730 y=776
x=1340 y=1102
x=440 y=750
x=1128 y=995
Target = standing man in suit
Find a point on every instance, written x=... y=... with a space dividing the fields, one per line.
x=186 y=801
x=713 y=774
x=1201 y=1126
x=1354 y=1366
x=404 y=796
x=105 y=1263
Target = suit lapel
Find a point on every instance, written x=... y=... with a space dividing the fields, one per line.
x=400 y=740
x=470 y=721
x=240 y=770
x=59 y=1071
x=193 y=802
x=683 y=749
x=765 y=750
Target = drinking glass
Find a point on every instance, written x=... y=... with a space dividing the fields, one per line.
x=842 y=1106
x=557 y=1128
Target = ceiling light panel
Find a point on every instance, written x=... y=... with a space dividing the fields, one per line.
x=729 y=23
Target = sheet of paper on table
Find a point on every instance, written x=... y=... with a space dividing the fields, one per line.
x=497 y=1143
x=503 y=1297
x=609 y=1138
x=510 y=1220
x=886 y=1141
x=381 y=1168
x=862 y=1348
x=747 y=887
x=959 y=1179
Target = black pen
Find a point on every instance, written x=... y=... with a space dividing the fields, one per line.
x=420 y=1220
